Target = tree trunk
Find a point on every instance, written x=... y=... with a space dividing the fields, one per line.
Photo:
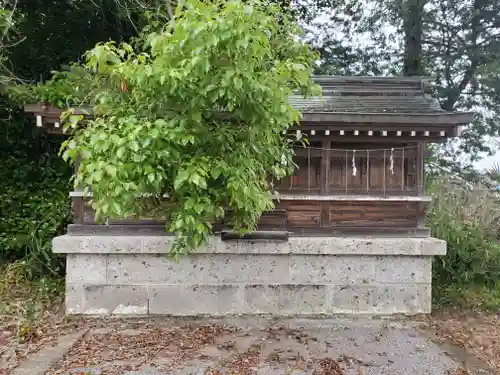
x=412 y=15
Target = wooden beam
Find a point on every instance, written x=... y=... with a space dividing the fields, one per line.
x=420 y=167
x=158 y=229
x=353 y=198
x=325 y=166
x=379 y=139
x=257 y=235
x=421 y=207
x=448 y=118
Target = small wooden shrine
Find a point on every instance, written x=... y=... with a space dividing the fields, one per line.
x=352 y=217
x=361 y=173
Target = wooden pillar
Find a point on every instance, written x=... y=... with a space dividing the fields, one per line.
x=76 y=165
x=325 y=167
x=78 y=202
x=421 y=206
x=420 y=168
x=78 y=210
x=324 y=182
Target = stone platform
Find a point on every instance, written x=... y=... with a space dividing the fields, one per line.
x=304 y=276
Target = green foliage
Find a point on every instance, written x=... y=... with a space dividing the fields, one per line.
x=60 y=31
x=8 y=38
x=34 y=203
x=69 y=88
x=468 y=219
x=467 y=297
x=197 y=119
x=34 y=181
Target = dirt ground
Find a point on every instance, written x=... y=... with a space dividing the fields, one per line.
x=115 y=346
x=476 y=333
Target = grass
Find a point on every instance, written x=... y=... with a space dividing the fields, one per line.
x=24 y=302
x=467 y=217
x=466 y=298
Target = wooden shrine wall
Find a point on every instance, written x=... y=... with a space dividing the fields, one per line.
x=311 y=216
x=331 y=214
x=340 y=170
x=355 y=169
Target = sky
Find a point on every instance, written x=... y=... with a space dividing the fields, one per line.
x=488 y=162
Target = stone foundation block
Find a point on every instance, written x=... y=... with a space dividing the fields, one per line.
x=192 y=300
x=132 y=275
x=382 y=299
x=86 y=268
x=295 y=245
x=197 y=268
x=107 y=299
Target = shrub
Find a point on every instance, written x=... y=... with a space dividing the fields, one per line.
x=34 y=203
x=468 y=219
x=198 y=118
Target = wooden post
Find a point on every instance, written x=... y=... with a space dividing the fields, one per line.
x=421 y=206
x=76 y=165
x=77 y=210
x=324 y=182
x=325 y=167
x=78 y=203
x=420 y=168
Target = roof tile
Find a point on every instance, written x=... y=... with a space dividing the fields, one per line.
x=370 y=95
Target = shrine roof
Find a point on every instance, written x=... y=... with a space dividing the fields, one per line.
x=388 y=103
x=410 y=96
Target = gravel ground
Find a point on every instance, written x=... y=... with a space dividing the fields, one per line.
x=477 y=333
x=244 y=347
x=299 y=347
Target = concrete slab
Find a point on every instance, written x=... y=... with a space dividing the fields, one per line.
x=42 y=361
x=297 y=346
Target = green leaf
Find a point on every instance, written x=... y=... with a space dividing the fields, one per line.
x=181 y=178
x=198 y=180
x=121 y=152
x=238 y=83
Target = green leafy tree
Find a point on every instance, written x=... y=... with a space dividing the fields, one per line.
x=194 y=124
x=9 y=37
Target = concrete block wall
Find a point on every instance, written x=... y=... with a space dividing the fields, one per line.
x=304 y=276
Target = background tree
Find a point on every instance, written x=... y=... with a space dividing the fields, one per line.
x=37 y=37
x=456 y=42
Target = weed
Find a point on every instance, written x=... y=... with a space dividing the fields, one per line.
x=23 y=302
x=468 y=219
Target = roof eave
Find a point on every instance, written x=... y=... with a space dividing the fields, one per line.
x=444 y=118
x=340 y=78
